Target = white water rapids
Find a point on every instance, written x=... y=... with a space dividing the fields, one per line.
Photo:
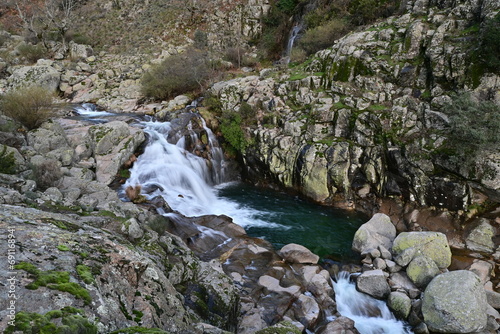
x=371 y=316
x=188 y=183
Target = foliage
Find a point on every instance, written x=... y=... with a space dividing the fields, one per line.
x=474 y=126
x=486 y=54
x=32 y=52
x=367 y=11
x=71 y=321
x=137 y=330
x=47 y=174
x=323 y=36
x=176 y=75
x=231 y=128
x=7 y=161
x=31 y=106
x=200 y=40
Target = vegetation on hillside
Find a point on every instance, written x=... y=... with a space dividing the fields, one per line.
x=31 y=106
x=474 y=128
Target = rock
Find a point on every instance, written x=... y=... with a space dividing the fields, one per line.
x=44 y=76
x=384 y=253
x=294 y=253
x=113 y=143
x=379 y=263
x=272 y=284
x=341 y=325
x=493 y=298
x=284 y=327
x=379 y=230
x=132 y=229
x=479 y=238
x=373 y=283
x=434 y=245
x=400 y=304
x=455 y=302
x=400 y=280
x=53 y=194
x=422 y=270
x=306 y=310
x=80 y=51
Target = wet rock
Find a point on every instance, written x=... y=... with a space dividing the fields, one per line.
x=379 y=230
x=294 y=253
x=373 y=283
x=434 y=245
x=455 y=302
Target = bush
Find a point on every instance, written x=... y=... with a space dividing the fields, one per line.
x=231 y=128
x=47 y=174
x=7 y=161
x=32 y=52
x=488 y=50
x=31 y=106
x=474 y=127
x=323 y=36
x=176 y=75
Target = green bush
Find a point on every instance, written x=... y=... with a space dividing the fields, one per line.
x=178 y=74
x=487 y=53
x=323 y=36
x=231 y=128
x=31 y=106
x=32 y=52
x=474 y=127
x=7 y=161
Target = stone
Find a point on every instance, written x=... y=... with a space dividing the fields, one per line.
x=400 y=280
x=373 y=283
x=434 y=245
x=132 y=229
x=400 y=304
x=44 y=76
x=272 y=284
x=379 y=263
x=455 y=302
x=379 y=230
x=480 y=237
x=422 y=270
x=295 y=253
x=384 y=252
x=306 y=310
x=53 y=194
x=341 y=325
x=493 y=298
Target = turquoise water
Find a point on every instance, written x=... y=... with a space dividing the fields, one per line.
x=284 y=219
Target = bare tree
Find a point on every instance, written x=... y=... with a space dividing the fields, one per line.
x=59 y=16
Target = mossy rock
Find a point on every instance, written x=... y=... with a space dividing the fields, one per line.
x=283 y=327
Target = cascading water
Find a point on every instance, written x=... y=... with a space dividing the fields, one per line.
x=291 y=40
x=371 y=316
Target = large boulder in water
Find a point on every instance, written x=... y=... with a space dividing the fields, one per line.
x=379 y=230
x=294 y=253
x=455 y=302
x=433 y=245
x=373 y=283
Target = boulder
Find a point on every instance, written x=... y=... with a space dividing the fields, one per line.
x=341 y=325
x=434 y=245
x=373 y=283
x=306 y=310
x=294 y=253
x=455 y=302
x=113 y=143
x=479 y=237
x=422 y=270
x=400 y=304
x=379 y=230
x=44 y=76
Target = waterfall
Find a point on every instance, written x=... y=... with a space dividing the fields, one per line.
x=291 y=39
x=371 y=316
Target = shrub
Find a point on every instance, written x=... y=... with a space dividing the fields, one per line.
x=231 y=128
x=7 y=161
x=487 y=52
x=176 y=75
x=474 y=127
x=47 y=174
x=31 y=106
x=298 y=55
x=32 y=52
x=323 y=36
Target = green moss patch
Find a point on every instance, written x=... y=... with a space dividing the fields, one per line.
x=85 y=273
x=55 y=280
x=137 y=329
x=72 y=320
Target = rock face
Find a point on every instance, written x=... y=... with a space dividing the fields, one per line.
x=455 y=302
x=378 y=231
